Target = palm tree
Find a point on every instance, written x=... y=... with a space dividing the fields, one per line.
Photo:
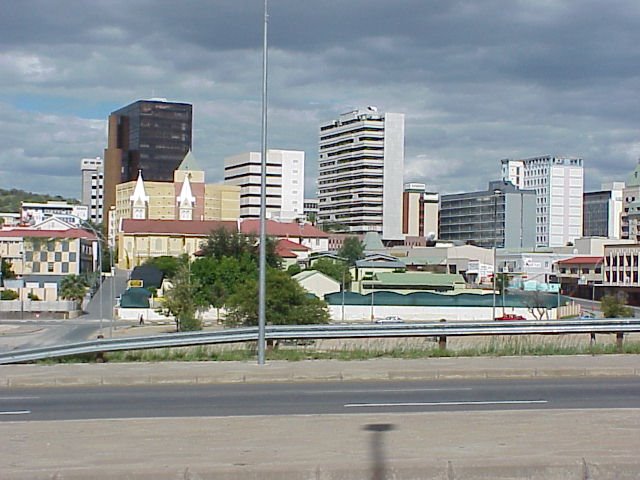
x=73 y=287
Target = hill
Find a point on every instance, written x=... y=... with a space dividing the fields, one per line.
x=10 y=199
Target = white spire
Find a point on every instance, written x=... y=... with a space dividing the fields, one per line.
x=139 y=197
x=186 y=200
x=139 y=200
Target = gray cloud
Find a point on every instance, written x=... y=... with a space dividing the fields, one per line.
x=478 y=81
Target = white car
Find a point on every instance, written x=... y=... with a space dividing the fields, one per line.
x=390 y=319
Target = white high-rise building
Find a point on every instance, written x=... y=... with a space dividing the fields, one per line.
x=360 y=172
x=559 y=185
x=285 y=183
x=93 y=187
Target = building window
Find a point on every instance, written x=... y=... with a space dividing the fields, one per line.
x=50 y=267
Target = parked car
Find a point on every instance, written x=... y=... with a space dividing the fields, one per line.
x=511 y=316
x=390 y=319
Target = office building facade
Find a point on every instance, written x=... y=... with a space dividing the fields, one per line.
x=285 y=183
x=419 y=211
x=151 y=136
x=494 y=217
x=559 y=186
x=630 y=221
x=602 y=211
x=360 y=173
x=92 y=194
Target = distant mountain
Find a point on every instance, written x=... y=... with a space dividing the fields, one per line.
x=10 y=199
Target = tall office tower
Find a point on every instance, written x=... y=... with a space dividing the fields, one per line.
x=630 y=221
x=148 y=135
x=285 y=183
x=559 y=184
x=602 y=211
x=360 y=172
x=419 y=211
x=493 y=217
x=93 y=187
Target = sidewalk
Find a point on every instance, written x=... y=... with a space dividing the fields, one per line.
x=94 y=374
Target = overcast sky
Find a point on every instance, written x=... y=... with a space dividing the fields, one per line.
x=478 y=80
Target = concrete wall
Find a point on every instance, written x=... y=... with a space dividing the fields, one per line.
x=359 y=313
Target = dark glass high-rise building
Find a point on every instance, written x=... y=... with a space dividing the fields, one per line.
x=148 y=135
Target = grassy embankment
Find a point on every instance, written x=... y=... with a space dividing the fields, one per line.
x=505 y=346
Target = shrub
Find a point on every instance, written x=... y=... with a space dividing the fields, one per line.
x=9 y=295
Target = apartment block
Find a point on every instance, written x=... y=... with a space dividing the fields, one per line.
x=419 y=211
x=285 y=183
x=33 y=213
x=559 y=185
x=92 y=192
x=360 y=172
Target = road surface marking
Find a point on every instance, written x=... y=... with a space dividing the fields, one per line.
x=19 y=398
x=16 y=412
x=396 y=390
x=446 y=404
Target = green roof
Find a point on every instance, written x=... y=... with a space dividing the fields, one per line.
x=135 y=298
x=634 y=179
x=189 y=163
x=420 y=279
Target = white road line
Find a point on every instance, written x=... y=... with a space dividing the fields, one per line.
x=19 y=398
x=439 y=404
x=16 y=412
x=396 y=390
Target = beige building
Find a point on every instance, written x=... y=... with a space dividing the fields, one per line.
x=49 y=252
x=186 y=198
x=419 y=211
x=140 y=240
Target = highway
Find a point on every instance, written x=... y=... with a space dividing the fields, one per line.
x=234 y=400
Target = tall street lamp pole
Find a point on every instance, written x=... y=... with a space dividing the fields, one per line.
x=263 y=204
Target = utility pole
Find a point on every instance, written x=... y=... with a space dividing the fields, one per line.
x=262 y=280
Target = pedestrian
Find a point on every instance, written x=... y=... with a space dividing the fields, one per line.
x=141 y=320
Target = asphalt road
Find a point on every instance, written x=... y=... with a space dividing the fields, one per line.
x=316 y=399
x=42 y=333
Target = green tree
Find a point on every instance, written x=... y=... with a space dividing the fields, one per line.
x=9 y=295
x=6 y=270
x=339 y=271
x=219 y=278
x=166 y=264
x=182 y=300
x=287 y=303
x=352 y=249
x=614 y=306
x=222 y=243
x=294 y=269
x=73 y=287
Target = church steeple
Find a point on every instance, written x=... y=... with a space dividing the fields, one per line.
x=139 y=200
x=186 y=201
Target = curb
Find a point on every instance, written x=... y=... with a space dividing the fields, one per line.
x=40 y=377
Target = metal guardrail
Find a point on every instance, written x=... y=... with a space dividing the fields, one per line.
x=440 y=330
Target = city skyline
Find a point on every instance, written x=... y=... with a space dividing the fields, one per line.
x=477 y=83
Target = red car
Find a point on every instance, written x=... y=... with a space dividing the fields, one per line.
x=511 y=316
